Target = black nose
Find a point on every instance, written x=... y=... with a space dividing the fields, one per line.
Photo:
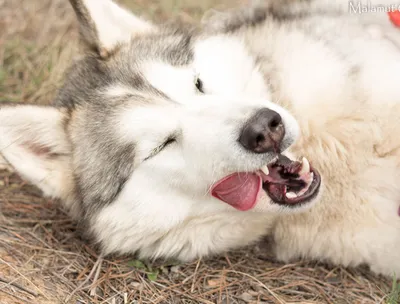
x=263 y=132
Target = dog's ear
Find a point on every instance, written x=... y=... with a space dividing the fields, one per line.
x=34 y=142
x=104 y=24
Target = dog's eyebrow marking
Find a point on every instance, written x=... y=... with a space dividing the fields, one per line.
x=119 y=91
x=177 y=82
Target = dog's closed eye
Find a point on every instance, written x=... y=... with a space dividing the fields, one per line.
x=199 y=85
x=170 y=140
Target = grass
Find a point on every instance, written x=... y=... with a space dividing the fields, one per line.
x=42 y=256
x=394 y=296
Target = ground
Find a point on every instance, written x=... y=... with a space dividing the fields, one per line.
x=42 y=257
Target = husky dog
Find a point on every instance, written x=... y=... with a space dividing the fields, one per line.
x=180 y=142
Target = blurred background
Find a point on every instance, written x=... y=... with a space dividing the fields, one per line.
x=38 y=38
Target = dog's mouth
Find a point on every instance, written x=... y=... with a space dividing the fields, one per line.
x=287 y=182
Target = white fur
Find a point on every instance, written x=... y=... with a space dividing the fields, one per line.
x=353 y=143
x=349 y=131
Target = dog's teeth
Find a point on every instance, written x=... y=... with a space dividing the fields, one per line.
x=265 y=170
x=291 y=195
x=311 y=179
x=305 y=168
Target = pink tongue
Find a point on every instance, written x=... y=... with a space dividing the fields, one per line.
x=240 y=190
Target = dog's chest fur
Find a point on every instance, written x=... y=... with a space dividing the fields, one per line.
x=339 y=78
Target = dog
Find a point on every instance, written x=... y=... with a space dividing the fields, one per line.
x=279 y=118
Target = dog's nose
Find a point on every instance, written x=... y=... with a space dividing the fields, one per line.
x=263 y=132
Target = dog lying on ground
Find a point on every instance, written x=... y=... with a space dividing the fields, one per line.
x=279 y=118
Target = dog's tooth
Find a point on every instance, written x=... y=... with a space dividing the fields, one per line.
x=265 y=170
x=291 y=195
x=305 y=167
x=311 y=179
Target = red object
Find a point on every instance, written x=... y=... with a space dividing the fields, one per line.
x=395 y=17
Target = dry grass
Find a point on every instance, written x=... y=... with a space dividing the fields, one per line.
x=43 y=259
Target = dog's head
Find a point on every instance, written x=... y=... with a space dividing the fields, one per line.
x=154 y=127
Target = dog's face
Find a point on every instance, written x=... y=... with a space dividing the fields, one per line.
x=155 y=127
